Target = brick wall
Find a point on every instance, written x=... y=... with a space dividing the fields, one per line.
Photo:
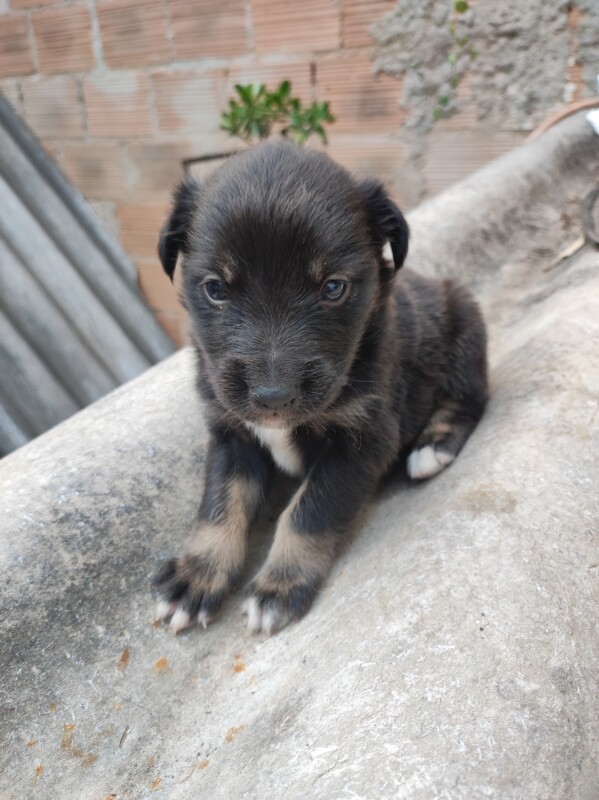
x=120 y=91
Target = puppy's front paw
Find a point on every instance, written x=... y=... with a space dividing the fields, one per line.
x=191 y=587
x=276 y=597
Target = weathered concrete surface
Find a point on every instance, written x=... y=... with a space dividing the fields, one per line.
x=454 y=652
x=530 y=59
x=522 y=51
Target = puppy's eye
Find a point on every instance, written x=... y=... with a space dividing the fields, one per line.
x=334 y=291
x=215 y=291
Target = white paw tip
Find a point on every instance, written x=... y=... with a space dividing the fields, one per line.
x=269 y=622
x=203 y=619
x=164 y=609
x=427 y=461
x=263 y=620
x=254 y=615
x=179 y=621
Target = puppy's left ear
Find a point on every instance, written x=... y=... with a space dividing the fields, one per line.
x=387 y=223
x=175 y=232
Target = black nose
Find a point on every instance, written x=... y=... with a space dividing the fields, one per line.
x=273 y=397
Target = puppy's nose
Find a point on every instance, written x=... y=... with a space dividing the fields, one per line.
x=273 y=397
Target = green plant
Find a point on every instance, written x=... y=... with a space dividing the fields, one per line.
x=256 y=111
x=460 y=47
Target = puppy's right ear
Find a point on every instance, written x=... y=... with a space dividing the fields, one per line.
x=174 y=234
x=387 y=223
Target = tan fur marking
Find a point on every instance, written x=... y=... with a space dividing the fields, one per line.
x=227 y=267
x=439 y=429
x=441 y=423
x=225 y=543
x=317 y=269
x=291 y=550
x=227 y=272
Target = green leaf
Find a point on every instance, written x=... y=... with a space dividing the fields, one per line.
x=461 y=6
x=443 y=100
x=245 y=92
x=452 y=58
x=472 y=53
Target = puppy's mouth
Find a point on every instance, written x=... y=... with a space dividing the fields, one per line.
x=302 y=412
x=272 y=419
x=291 y=416
x=278 y=402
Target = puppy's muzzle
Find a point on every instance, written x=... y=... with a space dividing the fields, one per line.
x=274 y=397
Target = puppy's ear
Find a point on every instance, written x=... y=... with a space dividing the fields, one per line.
x=387 y=223
x=174 y=234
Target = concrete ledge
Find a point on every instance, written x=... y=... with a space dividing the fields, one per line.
x=454 y=651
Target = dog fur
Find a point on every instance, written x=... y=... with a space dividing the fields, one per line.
x=317 y=357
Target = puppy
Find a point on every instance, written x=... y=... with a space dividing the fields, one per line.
x=314 y=358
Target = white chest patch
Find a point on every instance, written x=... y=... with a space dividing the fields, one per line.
x=278 y=441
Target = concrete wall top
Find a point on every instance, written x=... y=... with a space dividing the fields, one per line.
x=453 y=652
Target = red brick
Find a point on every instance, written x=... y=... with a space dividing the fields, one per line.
x=163 y=298
x=209 y=29
x=98 y=170
x=271 y=76
x=356 y=18
x=52 y=107
x=63 y=39
x=360 y=100
x=134 y=32
x=452 y=155
x=286 y=26
x=189 y=102
x=378 y=157
x=156 y=167
x=140 y=225
x=15 y=51
x=368 y=156
x=19 y=4
x=118 y=105
x=201 y=170
x=10 y=91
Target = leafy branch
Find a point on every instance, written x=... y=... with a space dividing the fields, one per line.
x=460 y=47
x=256 y=111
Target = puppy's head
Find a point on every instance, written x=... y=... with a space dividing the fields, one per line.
x=283 y=268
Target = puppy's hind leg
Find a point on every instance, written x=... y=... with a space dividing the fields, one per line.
x=464 y=392
x=440 y=441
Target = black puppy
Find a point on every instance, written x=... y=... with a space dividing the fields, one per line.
x=314 y=358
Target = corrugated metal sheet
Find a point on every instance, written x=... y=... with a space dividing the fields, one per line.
x=72 y=323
